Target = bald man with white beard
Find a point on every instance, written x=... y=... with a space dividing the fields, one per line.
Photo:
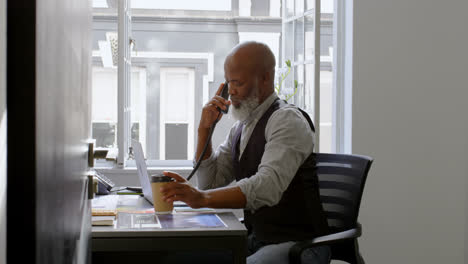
x=268 y=153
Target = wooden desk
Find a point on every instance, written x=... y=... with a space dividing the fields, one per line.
x=111 y=244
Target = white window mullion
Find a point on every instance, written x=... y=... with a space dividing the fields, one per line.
x=124 y=71
x=283 y=30
x=342 y=69
x=191 y=123
x=317 y=75
x=128 y=88
x=162 y=115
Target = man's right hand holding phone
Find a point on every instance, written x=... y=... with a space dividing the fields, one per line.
x=210 y=113
x=211 y=110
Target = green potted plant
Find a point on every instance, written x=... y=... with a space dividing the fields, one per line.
x=281 y=76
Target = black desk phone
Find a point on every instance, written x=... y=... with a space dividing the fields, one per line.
x=104 y=183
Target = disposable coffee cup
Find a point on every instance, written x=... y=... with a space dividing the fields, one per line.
x=160 y=206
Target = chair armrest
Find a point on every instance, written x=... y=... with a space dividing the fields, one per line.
x=295 y=251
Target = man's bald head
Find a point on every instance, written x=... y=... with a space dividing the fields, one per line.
x=257 y=60
x=257 y=56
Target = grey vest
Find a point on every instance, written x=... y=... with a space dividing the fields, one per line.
x=299 y=214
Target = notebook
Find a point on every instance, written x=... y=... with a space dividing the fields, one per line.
x=104 y=220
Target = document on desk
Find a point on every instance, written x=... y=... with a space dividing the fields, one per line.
x=137 y=220
x=104 y=205
x=168 y=221
x=133 y=204
x=190 y=220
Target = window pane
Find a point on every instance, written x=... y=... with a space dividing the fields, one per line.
x=299 y=98
x=135 y=131
x=138 y=97
x=310 y=4
x=326 y=76
x=299 y=7
x=326 y=106
x=138 y=94
x=325 y=137
x=287 y=86
x=100 y=4
x=104 y=107
x=289 y=8
x=176 y=97
x=299 y=40
x=327 y=6
x=104 y=94
x=288 y=42
x=215 y=5
x=309 y=93
x=275 y=8
x=176 y=113
x=105 y=134
x=176 y=141
x=309 y=37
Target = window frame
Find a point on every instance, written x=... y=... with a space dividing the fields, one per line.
x=187 y=164
x=342 y=77
x=286 y=19
x=341 y=69
x=166 y=58
x=124 y=66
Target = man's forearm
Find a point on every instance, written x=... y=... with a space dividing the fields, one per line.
x=227 y=197
x=202 y=138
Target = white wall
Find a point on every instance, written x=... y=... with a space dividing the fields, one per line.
x=410 y=112
x=3 y=180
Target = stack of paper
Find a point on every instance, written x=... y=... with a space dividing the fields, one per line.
x=104 y=210
x=103 y=220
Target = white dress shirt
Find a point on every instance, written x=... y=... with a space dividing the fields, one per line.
x=289 y=141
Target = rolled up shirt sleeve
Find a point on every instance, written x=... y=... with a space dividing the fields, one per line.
x=289 y=141
x=217 y=170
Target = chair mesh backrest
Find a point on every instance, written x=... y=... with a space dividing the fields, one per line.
x=341 y=181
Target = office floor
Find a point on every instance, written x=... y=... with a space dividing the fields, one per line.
x=186 y=257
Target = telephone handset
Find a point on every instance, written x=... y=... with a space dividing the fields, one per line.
x=225 y=95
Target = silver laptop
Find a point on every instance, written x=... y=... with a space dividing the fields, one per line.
x=142 y=170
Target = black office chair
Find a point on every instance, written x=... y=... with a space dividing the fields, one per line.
x=341 y=182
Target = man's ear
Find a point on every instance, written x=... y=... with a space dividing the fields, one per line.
x=266 y=77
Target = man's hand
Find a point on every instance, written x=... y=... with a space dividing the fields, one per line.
x=209 y=114
x=210 y=111
x=182 y=190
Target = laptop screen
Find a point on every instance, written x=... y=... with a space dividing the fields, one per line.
x=142 y=170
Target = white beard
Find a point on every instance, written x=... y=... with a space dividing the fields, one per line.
x=242 y=112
